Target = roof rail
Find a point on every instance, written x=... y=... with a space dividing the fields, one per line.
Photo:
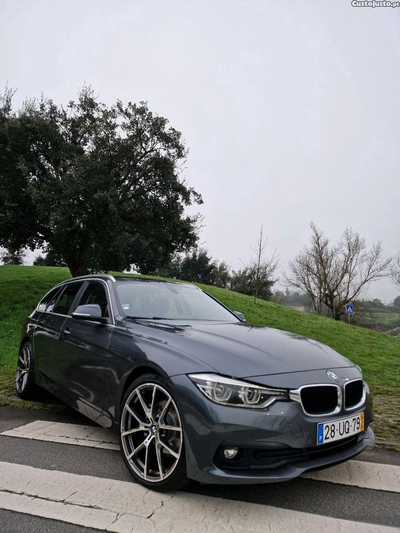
x=90 y=276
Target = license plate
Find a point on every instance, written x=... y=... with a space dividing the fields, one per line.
x=340 y=429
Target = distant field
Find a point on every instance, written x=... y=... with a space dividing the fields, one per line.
x=376 y=353
x=384 y=320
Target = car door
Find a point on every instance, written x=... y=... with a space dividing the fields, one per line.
x=48 y=332
x=83 y=350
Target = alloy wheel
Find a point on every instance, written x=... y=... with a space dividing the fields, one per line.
x=23 y=368
x=151 y=432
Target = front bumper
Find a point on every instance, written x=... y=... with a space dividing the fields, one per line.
x=282 y=430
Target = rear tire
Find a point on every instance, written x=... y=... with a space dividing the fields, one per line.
x=24 y=378
x=151 y=435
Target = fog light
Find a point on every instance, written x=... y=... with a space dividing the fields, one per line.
x=230 y=453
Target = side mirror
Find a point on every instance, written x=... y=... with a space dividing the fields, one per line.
x=90 y=312
x=240 y=316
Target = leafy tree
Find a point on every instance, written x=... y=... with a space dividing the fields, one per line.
x=39 y=261
x=51 y=258
x=100 y=185
x=17 y=213
x=197 y=267
x=335 y=275
x=13 y=257
x=220 y=275
x=396 y=302
x=245 y=281
x=172 y=269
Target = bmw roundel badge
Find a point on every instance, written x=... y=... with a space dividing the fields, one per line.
x=332 y=375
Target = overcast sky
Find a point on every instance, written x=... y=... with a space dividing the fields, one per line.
x=290 y=109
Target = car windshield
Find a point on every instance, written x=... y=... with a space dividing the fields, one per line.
x=169 y=301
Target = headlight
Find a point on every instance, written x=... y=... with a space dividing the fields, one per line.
x=226 y=391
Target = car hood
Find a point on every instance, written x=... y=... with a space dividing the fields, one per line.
x=242 y=351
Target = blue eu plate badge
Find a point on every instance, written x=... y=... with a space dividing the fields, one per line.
x=320 y=433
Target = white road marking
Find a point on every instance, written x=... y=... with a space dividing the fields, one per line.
x=374 y=476
x=123 y=507
x=94 y=437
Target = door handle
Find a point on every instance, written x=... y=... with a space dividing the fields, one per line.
x=67 y=332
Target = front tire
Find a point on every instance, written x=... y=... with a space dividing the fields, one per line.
x=24 y=377
x=151 y=435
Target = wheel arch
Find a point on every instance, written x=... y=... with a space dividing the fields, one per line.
x=24 y=340
x=134 y=374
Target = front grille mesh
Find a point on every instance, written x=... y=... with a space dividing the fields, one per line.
x=320 y=399
x=353 y=393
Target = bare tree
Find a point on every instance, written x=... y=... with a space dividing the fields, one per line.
x=395 y=270
x=335 y=275
x=260 y=268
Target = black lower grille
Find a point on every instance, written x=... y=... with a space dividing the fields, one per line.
x=319 y=400
x=353 y=393
x=272 y=459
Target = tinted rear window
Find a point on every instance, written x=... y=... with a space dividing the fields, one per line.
x=66 y=299
x=46 y=301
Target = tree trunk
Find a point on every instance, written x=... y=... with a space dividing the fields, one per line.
x=77 y=268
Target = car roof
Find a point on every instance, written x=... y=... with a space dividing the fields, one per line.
x=109 y=277
x=144 y=280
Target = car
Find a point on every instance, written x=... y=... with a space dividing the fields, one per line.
x=191 y=389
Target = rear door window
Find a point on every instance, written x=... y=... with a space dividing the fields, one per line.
x=48 y=299
x=67 y=297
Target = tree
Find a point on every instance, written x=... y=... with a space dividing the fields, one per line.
x=220 y=275
x=335 y=275
x=100 y=185
x=171 y=269
x=197 y=267
x=51 y=258
x=17 y=213
x=295 y=297
x=256 y=278
x=262 y=266
x=13 y=257
x=396 y=302
x=246 y=279
x=395 y=270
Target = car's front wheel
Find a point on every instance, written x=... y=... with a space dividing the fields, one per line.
x=24 y=379
x=151 y=435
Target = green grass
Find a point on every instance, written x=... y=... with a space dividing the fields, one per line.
x=21 y=288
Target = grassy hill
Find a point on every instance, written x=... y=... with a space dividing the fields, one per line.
x=376 y=353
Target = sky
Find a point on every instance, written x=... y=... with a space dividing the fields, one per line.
x=290 y=109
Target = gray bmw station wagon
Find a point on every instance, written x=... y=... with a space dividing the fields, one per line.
x=192 y=390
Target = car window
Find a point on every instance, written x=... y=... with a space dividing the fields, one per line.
x=95 y=293
x=48 y=299
x=66 y=299
x=169 y=302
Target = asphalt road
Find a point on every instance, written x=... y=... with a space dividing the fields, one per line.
x=339 y=501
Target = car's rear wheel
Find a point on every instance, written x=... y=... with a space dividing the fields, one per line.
x=24 y=379
x=151 y=435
